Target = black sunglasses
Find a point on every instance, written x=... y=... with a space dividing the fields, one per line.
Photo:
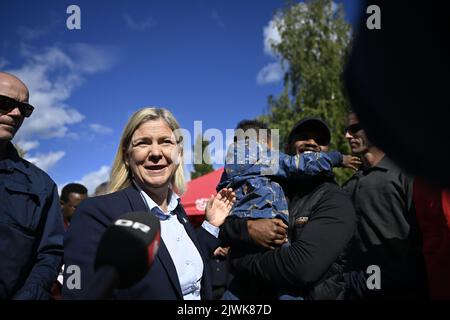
x=354 y=128
x=7 y=104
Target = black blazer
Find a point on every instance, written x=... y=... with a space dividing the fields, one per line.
x=91 y=219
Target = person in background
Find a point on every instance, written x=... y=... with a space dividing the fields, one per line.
x=71 y=196
x=31 y=224
x=396 y=90
x=101 y=189
x=387 y=234
x=432 y=203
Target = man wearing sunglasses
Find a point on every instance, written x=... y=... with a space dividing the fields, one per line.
x=387 y=230
x=31 y=226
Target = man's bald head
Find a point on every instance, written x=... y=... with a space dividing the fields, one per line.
x=11 y=119
x=13 y=87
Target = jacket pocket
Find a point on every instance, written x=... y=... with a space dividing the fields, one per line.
x=23 y=207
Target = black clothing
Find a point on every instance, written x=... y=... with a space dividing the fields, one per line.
x=31 y=230
x=387 y=234
x=392 y=83
x=161 y=282
x=220 y=277
x=311 y=266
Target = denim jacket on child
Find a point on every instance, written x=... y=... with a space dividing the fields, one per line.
x=249 y=175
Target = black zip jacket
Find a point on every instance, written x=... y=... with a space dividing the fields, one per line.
x=312 y=265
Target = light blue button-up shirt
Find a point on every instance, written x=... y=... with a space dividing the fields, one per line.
x=185 y=256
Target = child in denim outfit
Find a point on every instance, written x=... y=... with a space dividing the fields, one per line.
x=251 y=169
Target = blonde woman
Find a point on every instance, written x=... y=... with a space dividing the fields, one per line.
x=147 y=174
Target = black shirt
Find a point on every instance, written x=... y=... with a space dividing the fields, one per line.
x=387 y=231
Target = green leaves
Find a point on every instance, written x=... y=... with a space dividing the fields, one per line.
x=314 y=45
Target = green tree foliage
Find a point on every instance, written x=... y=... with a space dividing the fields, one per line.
x=204 y=167
x=313 y=48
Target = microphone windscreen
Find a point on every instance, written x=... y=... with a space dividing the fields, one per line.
x=130 y=245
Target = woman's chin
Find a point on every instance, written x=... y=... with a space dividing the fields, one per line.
x=157 y=183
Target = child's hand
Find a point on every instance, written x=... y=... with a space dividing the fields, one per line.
x=219 y=206
x=352 y=162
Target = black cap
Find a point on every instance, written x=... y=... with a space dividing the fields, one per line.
x=311 y=122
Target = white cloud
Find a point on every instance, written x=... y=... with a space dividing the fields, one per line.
x=100 y=129
x=28 y=145
x=47 y=160
x=270 y=73
x=271 y=36
x=148 y=23
x=51 y=75
x=3 y=62
x=92 y=179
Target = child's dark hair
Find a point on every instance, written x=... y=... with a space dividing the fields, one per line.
x=256 y=125
x=251 y=124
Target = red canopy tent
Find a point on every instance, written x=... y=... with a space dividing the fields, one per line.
x=197 y=193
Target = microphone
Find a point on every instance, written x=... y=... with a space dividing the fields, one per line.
x=125 y=254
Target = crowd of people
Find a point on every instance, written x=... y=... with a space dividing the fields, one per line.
x=288 y=234
x=292 y=234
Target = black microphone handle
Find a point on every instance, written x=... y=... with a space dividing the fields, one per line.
x=106 y=279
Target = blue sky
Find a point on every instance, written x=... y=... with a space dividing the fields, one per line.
x=202 y=59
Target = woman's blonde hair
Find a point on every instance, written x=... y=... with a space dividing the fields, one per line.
x=121 y=174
